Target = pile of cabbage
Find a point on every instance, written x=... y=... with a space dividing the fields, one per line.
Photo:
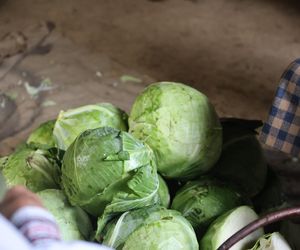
x=170 y=175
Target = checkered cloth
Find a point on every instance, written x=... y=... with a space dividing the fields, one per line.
x=282 y=129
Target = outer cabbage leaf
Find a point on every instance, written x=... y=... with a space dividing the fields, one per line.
x=73 y=122
x=37 y=169
x=163 y=193
x=43 y=135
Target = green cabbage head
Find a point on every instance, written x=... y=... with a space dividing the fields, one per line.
x=72 y=122
x=73 y=222
x=180 y=125
x=37 y=169
x=43 y=135
x=106 y=171
x=150 y=228
x=202 y=201
x=228 y=224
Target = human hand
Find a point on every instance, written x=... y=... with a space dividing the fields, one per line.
x=18 y=197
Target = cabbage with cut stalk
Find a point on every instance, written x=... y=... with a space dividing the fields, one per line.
x=37 y=169
x=43 y=135
x=150 y=228
x=163 y=193
x=71 y=123
x=106 y=172
x=180 y=125
x=73 y=222
x=228 y=224
x=273 y=241
x=202 y=201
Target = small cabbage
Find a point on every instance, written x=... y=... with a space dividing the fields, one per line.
x=163 y=193
x=106 y=171
x=72 y=122
x=150 y=228
x=180 y=125
x=273 y=241
x=228 y=224
x=37 y=169
x=73 y=222
x=202 y=201
x=242 y=160
x=43 y=135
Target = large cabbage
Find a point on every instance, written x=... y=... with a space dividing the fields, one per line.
x=72 y=122
x=37 y=169
x=180 y=125
x=73 y=222
x=106 y=171
x=202 y=201
x=150 y=228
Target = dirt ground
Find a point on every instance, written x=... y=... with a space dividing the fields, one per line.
x=232 y=50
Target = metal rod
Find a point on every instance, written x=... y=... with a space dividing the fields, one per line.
x=263 y=221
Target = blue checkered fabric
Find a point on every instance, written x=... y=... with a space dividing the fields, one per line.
x=282 y=129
